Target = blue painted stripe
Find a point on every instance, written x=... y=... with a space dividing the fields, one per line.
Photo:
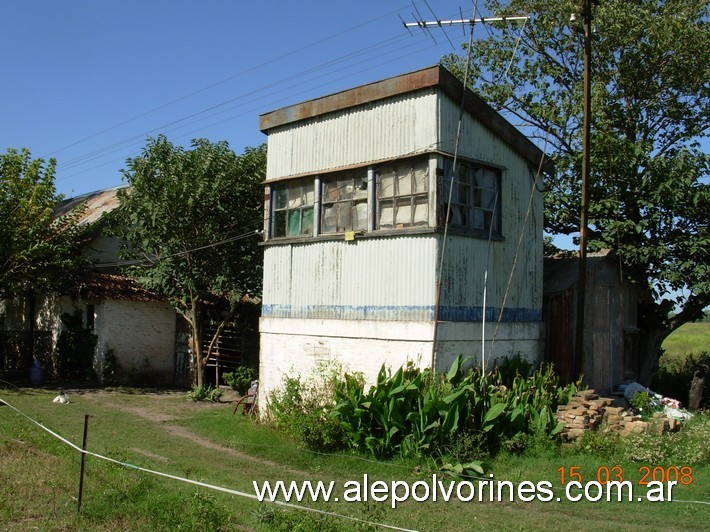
x=402 y=313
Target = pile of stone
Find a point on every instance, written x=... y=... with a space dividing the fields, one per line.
x=623 y=421
x=584 y=412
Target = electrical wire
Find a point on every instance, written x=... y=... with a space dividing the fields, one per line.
x=448 y=202
x=224 y=80
x=283 y=82
x=135 y=140
x=148 y=261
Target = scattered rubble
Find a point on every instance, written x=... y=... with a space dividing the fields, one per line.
x=587 y=411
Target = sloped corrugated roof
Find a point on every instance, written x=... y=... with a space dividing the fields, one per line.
x=97 y=285
x=98 y=204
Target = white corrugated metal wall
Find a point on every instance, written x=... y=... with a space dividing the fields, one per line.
x=383 y=130
x=332 y=298
x=387 y=278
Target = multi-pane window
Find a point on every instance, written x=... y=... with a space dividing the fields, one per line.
x=475 y=197
x=293 y=209
x=344 y=202
x=403 y=193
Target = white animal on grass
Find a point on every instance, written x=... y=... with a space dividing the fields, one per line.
x=61 y=398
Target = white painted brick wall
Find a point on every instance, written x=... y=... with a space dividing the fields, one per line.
x=137 y=332
x=294 y=346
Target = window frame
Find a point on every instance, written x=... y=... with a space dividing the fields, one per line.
x=478 y=203
x=344 y=192
x=288 y=186
x=411 y=198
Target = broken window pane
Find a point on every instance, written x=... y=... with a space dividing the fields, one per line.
x=403 y=216
x=279 y=227
x=404 y=179
x=360 y=191
x=421 y=176
x=294 y=197
x=386 y=183
x=307 y=222
x=421 y=212
x=360 y=217
x=294 y=223
x=330 y=192
x=281 y=198
x=386 y=214
x=344 y=217
x=329 y=219
x=345 y=189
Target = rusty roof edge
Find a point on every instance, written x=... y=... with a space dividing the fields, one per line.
x=434 y=76
x=370 y=92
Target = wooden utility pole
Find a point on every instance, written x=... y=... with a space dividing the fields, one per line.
x=579 y=358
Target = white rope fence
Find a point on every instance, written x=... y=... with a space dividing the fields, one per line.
x=252 y=496
x=202 y=484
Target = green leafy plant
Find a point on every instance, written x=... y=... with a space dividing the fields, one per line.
x=240 y=379
x=302 y=408
x=110 y=368
x=420 y=412
x=205 y=393
x=645 y=405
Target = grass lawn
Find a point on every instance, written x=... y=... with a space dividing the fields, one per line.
x=163 y=431
x=691 y=338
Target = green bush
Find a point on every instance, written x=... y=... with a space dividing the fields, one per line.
x=302 y=408
x=645 y=405
x=240 y=379
x=110 y=368
x=675 y=375
x=206 y=393
x=462 y=415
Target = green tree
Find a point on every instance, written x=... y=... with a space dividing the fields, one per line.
x=39 y=252
x=649 y=193
x=190 y=218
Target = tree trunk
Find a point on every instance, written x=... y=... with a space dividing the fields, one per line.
x=199 y=362
x=697 y=386
x=650 y=341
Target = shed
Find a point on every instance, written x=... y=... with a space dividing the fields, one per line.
x=360 y=264
x=611 y=320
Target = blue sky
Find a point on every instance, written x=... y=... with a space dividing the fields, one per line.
x=87 y=82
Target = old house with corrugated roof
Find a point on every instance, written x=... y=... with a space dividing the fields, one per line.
x=134 y=329
x=363 y=265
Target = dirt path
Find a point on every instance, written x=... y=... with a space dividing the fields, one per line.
x=162 y=420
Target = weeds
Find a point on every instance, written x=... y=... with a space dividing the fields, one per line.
x=465 y=415
x=240 y=379
x=205 y=393
x=302 y=408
